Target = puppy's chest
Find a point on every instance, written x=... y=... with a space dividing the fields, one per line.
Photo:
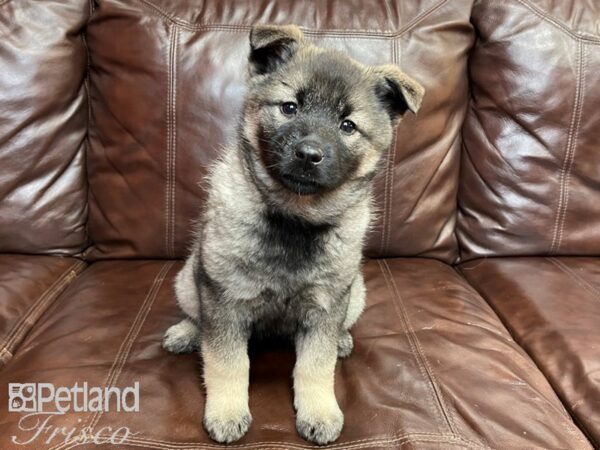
x=275 y=255
x=289 y=244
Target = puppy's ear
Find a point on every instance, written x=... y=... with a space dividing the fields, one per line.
x=272 y=46
x=397 y=91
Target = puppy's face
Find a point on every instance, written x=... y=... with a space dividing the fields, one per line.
x=317 y=119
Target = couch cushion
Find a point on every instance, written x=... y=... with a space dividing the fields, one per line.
x=530 y=180
x=43 y=123
x=28 y=286
x=552 y=308
x=433 y=367
x=166 y=99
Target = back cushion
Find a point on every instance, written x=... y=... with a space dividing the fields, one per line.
x=43 y=123
x=530 y=182
x=167 y=84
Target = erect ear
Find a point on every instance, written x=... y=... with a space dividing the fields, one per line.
x=271 y=46
x=397 y=91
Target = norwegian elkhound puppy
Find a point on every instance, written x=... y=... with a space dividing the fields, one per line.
x=278 y=245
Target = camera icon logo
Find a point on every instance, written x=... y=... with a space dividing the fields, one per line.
x=21 y=397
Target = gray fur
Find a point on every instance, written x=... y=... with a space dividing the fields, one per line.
x=280 y=257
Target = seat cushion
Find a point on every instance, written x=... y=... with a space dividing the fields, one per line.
x=28 y=286
x=552 y=308
x=432 y=367
x=43 y=126
x=166 y=100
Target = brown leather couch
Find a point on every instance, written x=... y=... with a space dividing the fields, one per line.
x=482 y=328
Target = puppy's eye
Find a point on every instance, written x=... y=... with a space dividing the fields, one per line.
x=348 y=126
x=289 y=108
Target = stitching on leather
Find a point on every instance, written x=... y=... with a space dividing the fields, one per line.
x=126 y=345
x=340 y=446
x=565 y=171
x=399 y=440
x=576 y=277
x=414 y=351
x=134 y=331
x=558 y=24
x=174 y=142
x=385 y=201
x=386 y=191
x=168 y=152
x=40 y=305
x=582 y=71
x=171 y=143
x=415 y=347
x=37 y=304
x=362 y=33
x=446 y=412
x=392 y=170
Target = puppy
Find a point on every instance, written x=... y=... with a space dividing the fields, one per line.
x=278 y=244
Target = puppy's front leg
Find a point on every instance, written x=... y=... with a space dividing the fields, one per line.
x=318 y=416
x=226 y=376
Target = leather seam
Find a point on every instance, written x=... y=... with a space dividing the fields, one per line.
x=586 y=285
x=132 y=335
x=41 y=304
x=392 y=163
x=350 y=445
x=413 y=349
x=583 y=67
x=565 y=171
x=171 y=143
x=362 y=33
x=415 y=346
x=581 y=83
x=558 y=24
x=126 y=345
x=174 y=142
x=386 y=184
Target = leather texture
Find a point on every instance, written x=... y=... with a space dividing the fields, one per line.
x=431 y=367
x=436 y=364
x=43 y=124
x=530 y=180
x=28 y=286
x=552 y=307
x=184 y=63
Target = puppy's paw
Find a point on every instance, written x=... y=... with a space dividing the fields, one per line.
x=182 y=337
x=345 y=344
x=227 y=429
x=322 y=427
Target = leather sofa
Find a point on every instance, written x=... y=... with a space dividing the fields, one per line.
x=482 y=326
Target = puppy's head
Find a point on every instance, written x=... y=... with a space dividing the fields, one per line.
x=316 y=120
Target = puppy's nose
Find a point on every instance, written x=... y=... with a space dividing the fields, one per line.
x=309 y=153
